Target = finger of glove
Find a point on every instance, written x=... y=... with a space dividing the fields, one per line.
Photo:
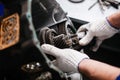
x=96 y=47
x=80 y=34
x=83 y=28
x=86 y=39
x=51 y=50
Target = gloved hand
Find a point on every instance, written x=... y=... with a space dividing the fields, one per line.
x=75 y=76
x=100 y=29
x=67 y=60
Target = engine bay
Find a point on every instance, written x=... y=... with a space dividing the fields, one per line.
x=25 y=26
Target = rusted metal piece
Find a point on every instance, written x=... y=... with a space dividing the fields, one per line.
x=58 y=40
x=9 y=31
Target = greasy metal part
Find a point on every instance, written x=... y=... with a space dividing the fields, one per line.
x=32 y=67
x=28 y=14
x=66 y=41
x=45 y=76
x=49 y=35
x=62 y=41
x=113 y=3
x=105 y=3
x=10 y=31
x=58 y=40
x=42 y=35
x=46 y=35
x=58 y=34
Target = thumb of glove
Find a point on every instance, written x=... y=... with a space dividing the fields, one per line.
x=51 y=50
x=84 y=28
x=86 y=39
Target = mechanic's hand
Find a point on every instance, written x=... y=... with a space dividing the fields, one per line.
x=75 y=76
x=66 y=59
x=100 y=29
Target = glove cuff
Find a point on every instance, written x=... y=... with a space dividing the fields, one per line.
x=85 y=57
x=79 y=64
x=111 y=27
x=112 y=24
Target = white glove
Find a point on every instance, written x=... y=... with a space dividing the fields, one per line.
x=75 y=76
x=67 y=60
x=100 y=29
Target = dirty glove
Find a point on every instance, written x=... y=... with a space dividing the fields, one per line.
x=67 y=60
x=100 y=29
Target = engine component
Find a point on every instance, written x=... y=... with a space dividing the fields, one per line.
x=50 y=36
x=32 y=67
x=10 y=31
x=45 y=76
